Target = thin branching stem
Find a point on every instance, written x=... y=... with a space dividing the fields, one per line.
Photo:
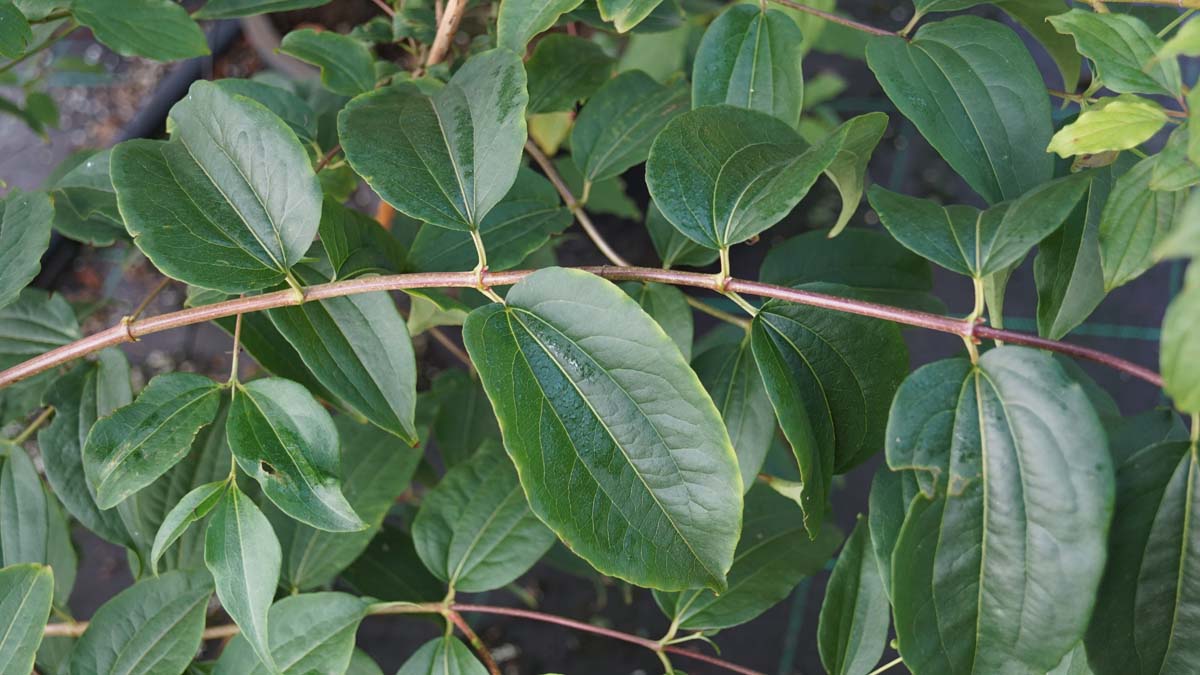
x=477 y=644
x=38 y=421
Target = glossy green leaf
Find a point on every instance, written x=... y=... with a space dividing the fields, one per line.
x=25 y=594
x=282 y=437
x=625 y=14
x=564 y=70
x=581 y=378
x=442 y=656
x=974 y=92
x=1118 y=123
x=1134 y=220
x=978 y=243
x=869 y=261
x=464 y=420
x=449 y=158
x=1070 y=281
x=723 y=174
x=848 y=169
x=773 y=555
x=85 y=203
x=520 y=20
x=25 y=219
x=25 y=527
x=1174 y=169
x=358 y=347
x=615 y=129
x=151 y=627
x=475 y=530
x=673 y=247
x=194 y=506
x=229 y=203
x=391 y=570
x=121 y=25
x=36 y=323
x=982 y=439
x=377 y=467
x=520 y=224
x=750 y=58
x=891 y=494
x=855 y=614
x=145 y=512
x=229 y=9
x=1147 y=603
x=310 y=633
x=347 y=67
x=1033 y=15
x=1183 y=241
x=242 y=553
x=830 y=378
x=668 y=306
x=139 y=442
x=1122 y=48
x=88 y=393
x=15 y=34
x=293 y=110
x=362 y=664
x=731 y=377
x=1180 y=350
x=355 y=244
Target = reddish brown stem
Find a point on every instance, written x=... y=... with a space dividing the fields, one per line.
x=476 y=643
x=130 y=331
x=384 y=7
x=327 y=157
x=834 y=18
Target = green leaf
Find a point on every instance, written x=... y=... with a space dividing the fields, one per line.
x=1147 y=603
x=855 y=614
x=355 y=244
x=1070 y=281
x=1180 y=350
x=1185 y=42
x=1119 y=123
x=282 y=437
x=731 y=377
x=358 y=347
x=464 y=420
x=520 y=20
x=607 y=196
x=36 y=323
x=974 y=92
x=1127 y=435
x=625 y=14
x=722 y=174
x=361 y=664
x=563 y=70
x=391 y=570
x=773 y=555
x=1134 y=220
x=750 y=58
x=25 y=594
x=15 y=34
x=444 y=656
x=24 y=235
x=848 y=170
x=1183 y=241
x=121 y=25
x=242 y=553
x=24 y=509
x=1174 y=170
x=194 y=506
x=346 y=64
x=293 y=110
x=475 y=530
x=310 y=633
x=620 y=450
x=1122 y=48
x=977 y=243
x=457 y=152
x=980 y=437
x=668 y=306
x=1033 y=15
x=830 y=377
x=229 y=203
x=869 y=261
x=81 y=397
x=520 y=224
x=891 y=494
x=672 y=246
x=615 y=129
x=151 y=627
x=376 y=468
x=139 y=442
x=85 y=203
x=229 y=9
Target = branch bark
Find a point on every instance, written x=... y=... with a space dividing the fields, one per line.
x=447 y=27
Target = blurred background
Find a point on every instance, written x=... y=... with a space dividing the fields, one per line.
x=96 y=98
